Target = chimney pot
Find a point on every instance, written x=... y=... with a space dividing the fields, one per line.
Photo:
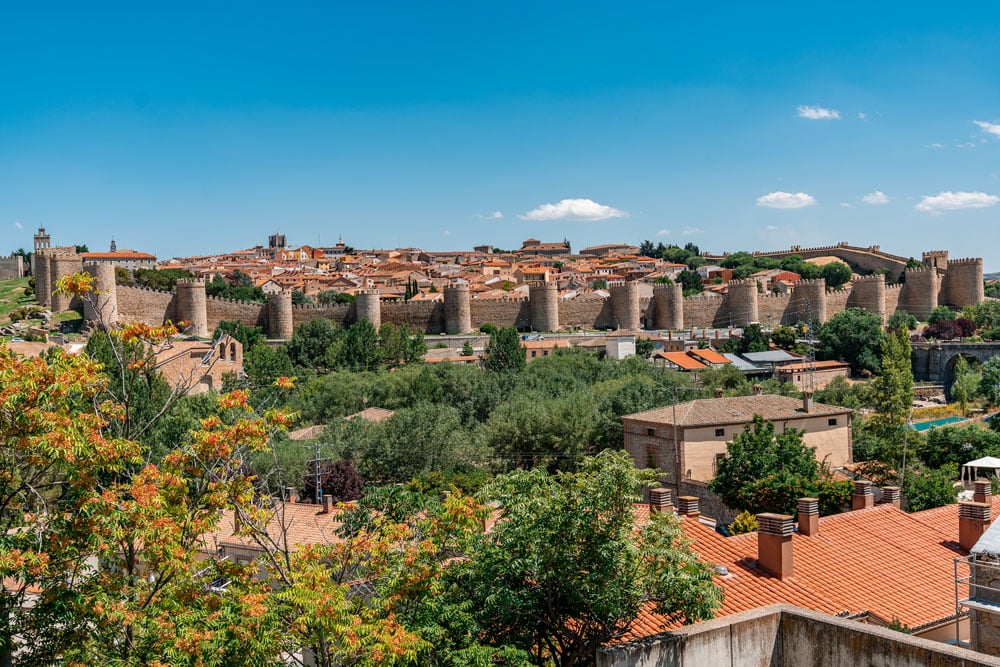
x=774 y=544
x=973 y=520
x=808 y=516
x=659 y=500
x=891 y=496
x=758 y=389
x=327 y=503
x=718 y=392
x=688 y=506
x=807 y=401
x=983 y=491
x=862 y=497
x=290 y=495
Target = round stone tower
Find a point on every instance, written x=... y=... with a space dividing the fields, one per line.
x=457 y=308
x=43 y=281
x=62 y=264
x=742 y=302
x=965 y=282
x=543 y=306
x=809 y=301
x=191 y=305
x=367 y=307
x=625 y=306
x=668 y=307
x=869 y=293
x=280 y=322
x=101 y=305
x=920 y=293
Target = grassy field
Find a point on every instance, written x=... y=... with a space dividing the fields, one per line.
x=12 y=296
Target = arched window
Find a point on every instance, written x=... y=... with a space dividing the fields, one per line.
x=232 y=352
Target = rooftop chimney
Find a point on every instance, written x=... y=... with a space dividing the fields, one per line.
x=290 y=495
x=808 y=516
x=973 y=520
x=774 y=544
x=659 y=500
x=688 y=506
x=862 y=498
x=890 y=495
x=718 y=392
x=983 y=492
x=327 y=503
x=807 y=401
x=758 y=389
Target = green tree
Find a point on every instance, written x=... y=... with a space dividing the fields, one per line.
x=690 y=282
x=901 y=320
x=560 y=604
x=965 y=385
x=989 y=384
x=753 y=339
x=835 y=274
x=360 y=349
x=784 y=337
x=891 y=395
x=926 y=489
x=310 y=342
x=757 y=458
x=467 y=350
x=941 y=314
x=331 y=297
x=299 y=298
x=247 y=335
x=855 y=336
x=503 y=352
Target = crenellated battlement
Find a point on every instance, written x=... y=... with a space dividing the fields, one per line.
x=869 y=279
x=370 y=291
x=811 y=281
x=320 y=306
x=977 y=261
x=742 y=282
x=225 y=299
x=456 y=287
x=190 y=282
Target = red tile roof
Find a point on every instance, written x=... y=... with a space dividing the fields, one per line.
x=709 y=355
x=682 y=360
x=880 y=561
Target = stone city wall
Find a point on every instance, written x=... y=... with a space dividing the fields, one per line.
x=11 y=267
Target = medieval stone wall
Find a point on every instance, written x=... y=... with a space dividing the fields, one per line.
x=138 y=304
x=340 y=313
x=426 y=316
x=11 y=267
x=247 y=312
x=501 y=312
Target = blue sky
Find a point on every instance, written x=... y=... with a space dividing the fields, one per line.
x=181 y=129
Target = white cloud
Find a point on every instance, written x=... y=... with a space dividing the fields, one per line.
x=19 y=225
x=846 y=204
x=446 y=232
x=876 y=198
x=989 y=128
x=690 y=231
x=495 y=215
x=935 y=145
x=818 y=113
x=573 y=209
x=663 y=232
x=781 y=199
x=967 y=144
x=862 y=115
x=955 y=201
x=771 y=228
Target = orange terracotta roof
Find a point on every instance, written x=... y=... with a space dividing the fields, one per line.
x=683 y=360
x=881 y=561
x=817 y=365
x=118 y=254
x=709 y=356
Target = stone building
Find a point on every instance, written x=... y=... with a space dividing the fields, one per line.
x=195 y=367
x=703 y=428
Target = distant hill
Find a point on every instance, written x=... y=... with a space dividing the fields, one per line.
x=991 y=276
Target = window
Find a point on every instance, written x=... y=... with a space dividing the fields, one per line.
x=832 y=421
x=650 y=432
x=720 y=432
x=533 y=354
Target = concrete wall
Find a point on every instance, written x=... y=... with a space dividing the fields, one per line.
x=786 y=636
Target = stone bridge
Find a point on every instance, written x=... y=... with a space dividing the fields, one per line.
x=935 y=362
